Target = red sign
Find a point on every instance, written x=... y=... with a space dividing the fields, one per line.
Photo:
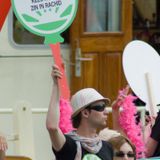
x=64 y=88
x=4 y=9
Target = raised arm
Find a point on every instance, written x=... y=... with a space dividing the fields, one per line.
x=3 y=147
x=53 y=115
x=116 y=109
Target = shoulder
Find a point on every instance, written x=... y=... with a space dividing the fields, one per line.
x=68 y=150
x=107 y=146
x=106 y=151
x=70 y=142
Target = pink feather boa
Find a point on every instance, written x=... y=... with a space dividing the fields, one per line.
x=65 y=116
x=128 y=123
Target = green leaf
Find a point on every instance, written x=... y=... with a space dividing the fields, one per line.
x=39 y=13
x=50 y=25
x=67 y=11
x=29 y=18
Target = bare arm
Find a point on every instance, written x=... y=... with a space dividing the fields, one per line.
x=116 y=109
x=53 y=115
x=3 y=147
x=151 y=146
x=115 y=117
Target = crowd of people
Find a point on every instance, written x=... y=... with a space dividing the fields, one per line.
x=90 y=115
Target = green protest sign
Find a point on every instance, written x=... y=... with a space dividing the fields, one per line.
x=48 y=18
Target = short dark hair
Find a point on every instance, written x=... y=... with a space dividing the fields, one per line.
x=76 y=120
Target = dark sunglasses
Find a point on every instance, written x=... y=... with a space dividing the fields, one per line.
x=98 y=107
x=122 y=154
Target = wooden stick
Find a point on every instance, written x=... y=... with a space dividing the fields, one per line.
x=152 y=105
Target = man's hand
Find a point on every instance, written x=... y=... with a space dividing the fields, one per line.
x=3 y=143
x=121 y=96
x=56 y=73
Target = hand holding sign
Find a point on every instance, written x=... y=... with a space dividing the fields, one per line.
x=141 y=65
x=49 y=18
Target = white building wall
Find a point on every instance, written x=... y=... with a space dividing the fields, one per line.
x=25 y=76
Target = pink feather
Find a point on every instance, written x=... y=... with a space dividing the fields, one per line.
x=128 y=124
x=65 y=116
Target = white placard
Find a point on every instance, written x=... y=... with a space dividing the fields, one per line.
x=140 y=61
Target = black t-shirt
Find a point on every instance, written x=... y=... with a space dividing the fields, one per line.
x=157 y=151
x=69 y=150
x=155 y=134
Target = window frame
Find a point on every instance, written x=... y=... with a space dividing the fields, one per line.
x=26 y=46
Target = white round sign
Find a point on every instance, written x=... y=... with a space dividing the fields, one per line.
x=139 y=60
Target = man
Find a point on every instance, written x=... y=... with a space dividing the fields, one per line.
x=89 y=114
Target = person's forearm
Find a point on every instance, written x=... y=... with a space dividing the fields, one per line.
x=150 y=146
x=53 y=114
x=115 y=117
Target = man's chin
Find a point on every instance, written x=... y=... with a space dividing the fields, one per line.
x=104 y=125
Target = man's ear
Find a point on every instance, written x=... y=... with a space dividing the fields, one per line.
x=85 y=113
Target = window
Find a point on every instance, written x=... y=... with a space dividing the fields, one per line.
x=21 y=36
x=146 y=22
x=102 y=15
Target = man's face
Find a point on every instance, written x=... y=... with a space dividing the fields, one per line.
x=98 y=114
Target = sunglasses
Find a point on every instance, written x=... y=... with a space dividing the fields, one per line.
x=122 y=154
x=98 y=107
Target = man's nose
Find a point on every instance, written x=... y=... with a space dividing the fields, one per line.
x=106 y=111
x=125 y=157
